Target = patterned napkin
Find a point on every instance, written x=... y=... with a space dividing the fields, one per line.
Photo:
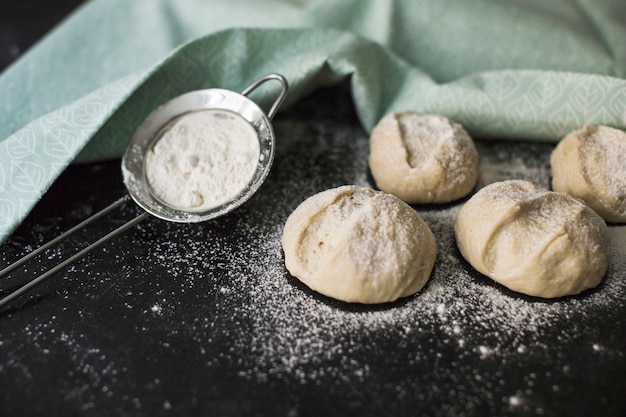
x=525 y=70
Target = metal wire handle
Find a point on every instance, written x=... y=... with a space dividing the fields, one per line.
x=41 y=278
x=281 y=96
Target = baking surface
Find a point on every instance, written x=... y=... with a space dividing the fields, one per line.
x=203 y=319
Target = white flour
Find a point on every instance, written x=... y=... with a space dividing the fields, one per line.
x=425 y=134
x=202 y=160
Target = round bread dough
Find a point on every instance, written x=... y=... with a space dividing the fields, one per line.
x=422 y=158
x=590 y=164
x=533 y=241
x=359 y=245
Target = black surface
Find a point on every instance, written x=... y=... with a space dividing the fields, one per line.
x=24 y=22
x=202 y=319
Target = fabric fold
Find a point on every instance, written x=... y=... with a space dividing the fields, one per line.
x=106 y=40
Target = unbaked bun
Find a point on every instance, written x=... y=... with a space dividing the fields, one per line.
x=422 y=158
x=358 y=245
x=590 y=164
x=533 y=241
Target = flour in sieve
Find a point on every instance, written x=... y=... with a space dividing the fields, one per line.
x=202 y=160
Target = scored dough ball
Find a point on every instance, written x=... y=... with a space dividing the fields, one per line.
x=422 y=158
x=533 y=241
x=590 y=164
x=358 y=245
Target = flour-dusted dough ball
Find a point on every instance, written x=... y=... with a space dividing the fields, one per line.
x=422 y=158
x=533 y=241
x=358 y=245
x=590 y=164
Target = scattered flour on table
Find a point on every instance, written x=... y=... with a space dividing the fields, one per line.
x=286 y=332
x=450 y=337
x=203 y=159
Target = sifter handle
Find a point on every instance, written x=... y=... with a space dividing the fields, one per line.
x=279 y=99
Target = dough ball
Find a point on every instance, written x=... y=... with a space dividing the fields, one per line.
x=533 y=241
x=590 y=164
x=358 y=245
x=422 y=158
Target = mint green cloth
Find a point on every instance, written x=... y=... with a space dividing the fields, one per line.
x=530 y=70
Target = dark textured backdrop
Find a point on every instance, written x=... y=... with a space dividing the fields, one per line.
x=23 y=22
